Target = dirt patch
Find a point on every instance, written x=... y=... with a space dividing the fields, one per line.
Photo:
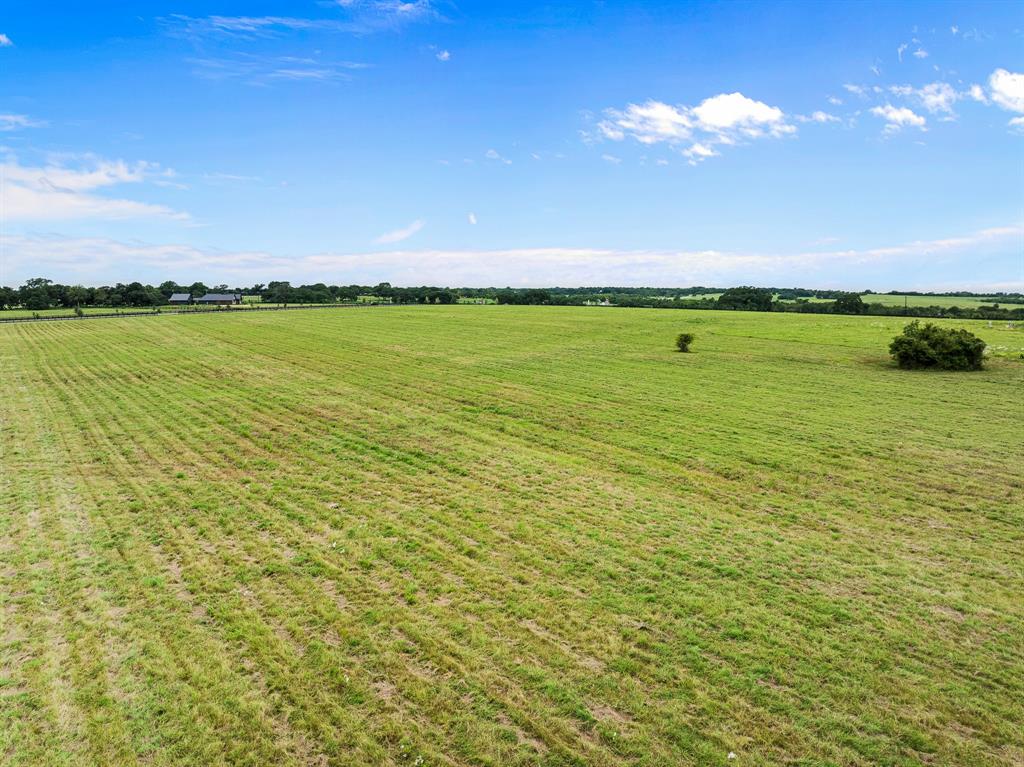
x=609 y=715
x=949 y=612
x=385 y=690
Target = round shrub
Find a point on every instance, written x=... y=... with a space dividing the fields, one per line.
x=931 y=346
x=683 y=342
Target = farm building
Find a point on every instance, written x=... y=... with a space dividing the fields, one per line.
x=180 y=298
x=220 y=298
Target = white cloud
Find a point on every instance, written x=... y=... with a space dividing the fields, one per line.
x=857 y=90
x=735 y=112
x=937 y=97
x=836 y=102
x=921 y=53
x=9 y=122
x=493 y=154
x=444 y=56
x=60 y=192
x=400 y=9
x=698 y=153
x=818 y=117
x=610 y=158
x=5 y=41
x=977 y=93
x=400 y=234
x=1007 y=90
x=98 y=260
x=725 y=119
x=472 y=218
x=896 y=118
x=901 y=50
x=954 y=29
x=649 y=123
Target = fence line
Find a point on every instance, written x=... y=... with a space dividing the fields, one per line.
x=159 y=312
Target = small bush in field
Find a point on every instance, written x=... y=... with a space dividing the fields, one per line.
x=931 y=346
x=683 y=342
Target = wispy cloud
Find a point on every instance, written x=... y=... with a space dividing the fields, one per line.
x=494 y=154
x=60 y=191
x=265 y=70
x=5 y=41
x=472 y=218
x=10 y=122
x=356 y=17
x=98 y=259
x=217 y=178
x=444 y=55
x=241 y=27
x=398 y=235
x=817 y=117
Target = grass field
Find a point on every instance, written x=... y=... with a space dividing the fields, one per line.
x=63 y=312
x=506 y=535
x=968 y=302
x=964 y=302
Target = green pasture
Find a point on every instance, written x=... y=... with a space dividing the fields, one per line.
x=516 y=536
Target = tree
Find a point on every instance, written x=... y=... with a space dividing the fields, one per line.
x=170 y=287
x=76 y=295
x=683 y=341
x=746 y=299
x=849 y=303
x=931 y=346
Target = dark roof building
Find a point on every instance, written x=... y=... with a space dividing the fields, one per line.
x=220 y=298
x=180 y=298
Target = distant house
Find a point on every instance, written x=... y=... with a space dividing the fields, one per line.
x=220 y=299
x=180 y=298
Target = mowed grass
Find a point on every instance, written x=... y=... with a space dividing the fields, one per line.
x=8 y=314
x=506 y=536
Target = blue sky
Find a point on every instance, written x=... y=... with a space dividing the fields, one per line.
x=485 y=143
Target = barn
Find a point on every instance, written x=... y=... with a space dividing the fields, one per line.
x=177 y=299
x=220 y=299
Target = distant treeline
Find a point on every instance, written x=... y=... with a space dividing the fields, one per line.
x=38 y=294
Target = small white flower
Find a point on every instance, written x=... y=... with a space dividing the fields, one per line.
x=731 y=755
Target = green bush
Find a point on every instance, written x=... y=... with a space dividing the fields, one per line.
x=683 y=342
x=931 y=346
